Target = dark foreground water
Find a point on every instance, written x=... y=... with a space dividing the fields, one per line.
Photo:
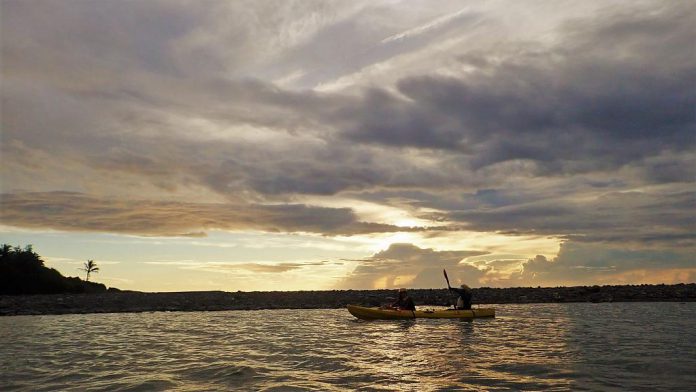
x=618 y=346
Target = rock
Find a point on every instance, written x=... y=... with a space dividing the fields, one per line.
x=132 y=301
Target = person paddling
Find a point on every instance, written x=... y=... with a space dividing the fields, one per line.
x=404 y=302
x=464 y=300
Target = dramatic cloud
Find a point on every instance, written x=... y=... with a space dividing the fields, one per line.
x=582 y=264
x=572 y=121
x=78 y=212
x=406 y=265
x=612 y=92
x=620 y=217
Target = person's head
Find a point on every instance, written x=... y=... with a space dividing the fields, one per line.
x=465 y=287
x=402 y=292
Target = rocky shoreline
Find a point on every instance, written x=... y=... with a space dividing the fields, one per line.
x=132 y=301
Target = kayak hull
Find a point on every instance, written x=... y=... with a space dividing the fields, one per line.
x=365 y=313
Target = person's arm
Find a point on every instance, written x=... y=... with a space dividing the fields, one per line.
x=460 y=294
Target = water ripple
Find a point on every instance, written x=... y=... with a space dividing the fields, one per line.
x=646 y=346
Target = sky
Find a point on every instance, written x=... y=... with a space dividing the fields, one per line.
x=313 y=145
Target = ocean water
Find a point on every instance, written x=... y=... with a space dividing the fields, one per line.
x=607 y=346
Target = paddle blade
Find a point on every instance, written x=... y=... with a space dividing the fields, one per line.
x=446 y=277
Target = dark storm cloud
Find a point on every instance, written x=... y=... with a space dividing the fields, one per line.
x=78 y=212
x=669 y=169
x=111 y=98
x=618 y=217
x=566 y=111
x=612 y=92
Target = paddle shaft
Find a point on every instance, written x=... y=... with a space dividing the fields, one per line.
x=448 y=285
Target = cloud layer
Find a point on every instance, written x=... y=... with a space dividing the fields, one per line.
x=580 y=264
x=574 y=121
x=78 y=212
x=406 y=265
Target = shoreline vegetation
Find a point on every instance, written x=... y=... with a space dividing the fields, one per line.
x=22 y=271
x=28 y=287
x=134 y=301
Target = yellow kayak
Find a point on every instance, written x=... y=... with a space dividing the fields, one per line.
x=391 y=314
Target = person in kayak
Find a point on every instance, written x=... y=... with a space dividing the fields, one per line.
x=464 y=300
x=404 y=302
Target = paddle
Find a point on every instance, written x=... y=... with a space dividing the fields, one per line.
x=448 y=283
x=447 y=279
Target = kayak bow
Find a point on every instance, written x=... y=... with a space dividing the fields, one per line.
x=391 y=314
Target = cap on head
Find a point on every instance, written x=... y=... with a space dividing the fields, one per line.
x=465 y=287
x=402 y=290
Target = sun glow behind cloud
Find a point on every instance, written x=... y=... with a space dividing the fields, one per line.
x=289 y=145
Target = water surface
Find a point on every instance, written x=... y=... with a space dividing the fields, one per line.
x=610 y=346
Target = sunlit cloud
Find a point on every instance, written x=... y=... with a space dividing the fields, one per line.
x=425 y=27
x=510 y=129
x=406 y=265
x=237 y=267
x=79 y=212
x=586 y=264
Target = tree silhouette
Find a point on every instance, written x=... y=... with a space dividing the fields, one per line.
x=22 y=271
x=90 y=266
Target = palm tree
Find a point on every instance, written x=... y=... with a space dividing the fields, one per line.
x=90 y=266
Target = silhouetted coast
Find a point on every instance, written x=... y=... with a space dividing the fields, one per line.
x=131 y=301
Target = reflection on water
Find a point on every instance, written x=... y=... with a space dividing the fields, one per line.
x=644 y=346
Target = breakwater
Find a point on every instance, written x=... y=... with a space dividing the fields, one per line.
x=132 y=301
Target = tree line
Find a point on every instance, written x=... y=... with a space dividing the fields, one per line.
x=22 y=271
